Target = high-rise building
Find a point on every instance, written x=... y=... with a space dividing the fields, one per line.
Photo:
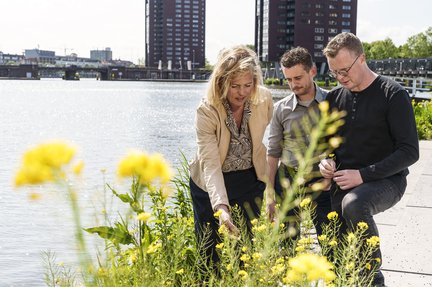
x=283 y=24
x=175 y=34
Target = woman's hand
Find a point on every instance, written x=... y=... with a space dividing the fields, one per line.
x=225 y=219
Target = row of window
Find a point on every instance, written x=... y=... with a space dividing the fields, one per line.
x=187 y=1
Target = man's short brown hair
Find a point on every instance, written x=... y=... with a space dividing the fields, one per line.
x=343 y=40
x=296 y=56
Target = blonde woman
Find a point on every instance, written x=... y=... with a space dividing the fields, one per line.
x=230 y=164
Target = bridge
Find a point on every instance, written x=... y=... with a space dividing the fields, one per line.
x=104 y=73
x=412 y=68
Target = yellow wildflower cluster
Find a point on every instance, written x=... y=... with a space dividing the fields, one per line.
x=147 y=167
x=305 y=202
x=243 y=274
x=153 y=247
x=44 y=163
x=309 y=267
x=220 y=245
x=362 y=225
x=373 y=241
x=144 y=217
x=332 y=215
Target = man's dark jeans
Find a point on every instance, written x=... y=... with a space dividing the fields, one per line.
x=361 y=203
x=322 y=201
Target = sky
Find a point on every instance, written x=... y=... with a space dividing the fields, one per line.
x=79 y=26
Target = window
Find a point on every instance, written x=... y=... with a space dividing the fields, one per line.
x=346 y=15
x=319 y=30
x=346 y=7
x=332 y=31
x=319 y=38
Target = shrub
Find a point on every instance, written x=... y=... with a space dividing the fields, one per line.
x=423 y=118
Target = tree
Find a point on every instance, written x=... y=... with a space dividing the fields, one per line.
x=383 y=49
x=420 y=45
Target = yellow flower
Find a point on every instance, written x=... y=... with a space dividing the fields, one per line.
x=244 y=248
x=309 y=266
x=332 y=215
x=305 y=202
x=43 y=163
x=300 y=248
x=147 y=167
x=351 y=237
x=278 y=269
x=259 y=228
x=362 y=225
x=256 y=256
x=180 y=271
x=373 y=241
x=245 y=258
x=53 y=154
x=280 y=260
x=77 y=168
x=243 y=274
x=324 y=106
x=333 y=243
x=223 y=229
x=322 y=237
x=220 y=245
x=217 y=213
x=368 y=266
x=254 y=221
x=144 y=216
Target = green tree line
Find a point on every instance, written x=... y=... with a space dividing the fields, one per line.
x=417 y=46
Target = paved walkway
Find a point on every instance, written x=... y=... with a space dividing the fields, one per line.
x=406 y=229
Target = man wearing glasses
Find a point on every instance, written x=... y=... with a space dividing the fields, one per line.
x=380 y=139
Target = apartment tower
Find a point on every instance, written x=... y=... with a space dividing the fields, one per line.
x=175 y=34
x=283 y=24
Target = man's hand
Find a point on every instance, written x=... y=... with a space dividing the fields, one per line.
x=225 y=219
x=327 y=167
x=347 y=178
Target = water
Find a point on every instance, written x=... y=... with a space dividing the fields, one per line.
x=104 y=120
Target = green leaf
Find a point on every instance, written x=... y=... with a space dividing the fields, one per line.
x=123 y=197
x=117 y=235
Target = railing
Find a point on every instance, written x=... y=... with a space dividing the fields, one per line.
x=418 y=88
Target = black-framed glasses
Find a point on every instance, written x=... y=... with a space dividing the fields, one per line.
x=342 y=72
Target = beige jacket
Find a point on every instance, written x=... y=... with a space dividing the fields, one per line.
x=213 y=138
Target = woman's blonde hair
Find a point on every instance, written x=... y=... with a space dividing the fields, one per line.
x=231 y=63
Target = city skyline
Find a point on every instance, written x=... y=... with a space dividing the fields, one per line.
x=80 y=26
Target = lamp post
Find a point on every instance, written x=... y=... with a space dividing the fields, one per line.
x=193 y=64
